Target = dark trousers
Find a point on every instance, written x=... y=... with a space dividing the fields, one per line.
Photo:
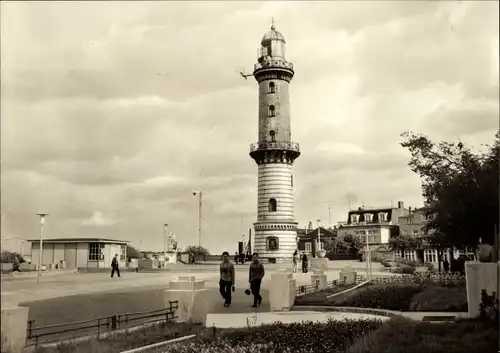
x=304 y=267
x=255 y=288
x=115 y=269
x=225 y=290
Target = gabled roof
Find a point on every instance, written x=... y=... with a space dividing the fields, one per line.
x=312 y=233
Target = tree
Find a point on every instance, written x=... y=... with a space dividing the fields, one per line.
x=351 y=243
x=10 y=257
x=133 y=253
x=460 y=189
x=197 y=250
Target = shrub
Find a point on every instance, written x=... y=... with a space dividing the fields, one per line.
x=401 y=335
x=388 y=296
x=489 y=308
x=303 y=337
x=440 y=298
x=404 y=269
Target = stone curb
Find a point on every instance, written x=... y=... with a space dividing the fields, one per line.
x=347 y=309
x=348 y=290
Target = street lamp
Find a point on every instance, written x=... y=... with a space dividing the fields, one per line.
x=368 y=257
x=200 y=202
x=165 y=227
x=42 y=221
x=319 y=235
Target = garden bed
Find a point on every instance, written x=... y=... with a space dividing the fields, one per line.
x=398 y=335
x=335 y=337
x=119 y=342
x=396 y=296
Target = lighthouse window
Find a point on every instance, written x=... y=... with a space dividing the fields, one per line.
x=273 y=135
x=272 y=205
x=272 y=111
x=272 y=87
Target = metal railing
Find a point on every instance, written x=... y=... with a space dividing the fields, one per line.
x=97 y=326
x=278 y=145
x=313 y=288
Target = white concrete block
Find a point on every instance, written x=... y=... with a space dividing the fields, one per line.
x=14 y=323
x=194 y=300
x=348 y=277
x=282 y=291
x=479 y=276
x=319 y=263
x=320 y=280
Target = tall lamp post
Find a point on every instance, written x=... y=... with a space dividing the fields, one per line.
x=319 y=237
x=200 y=203
x=165 y=228
x=368 y=257
x=42 y=222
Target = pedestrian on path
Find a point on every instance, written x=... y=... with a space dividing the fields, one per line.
x=226 y=282
x=304 y=263
x=114 y=266
x=256 y=273
x=295 y=260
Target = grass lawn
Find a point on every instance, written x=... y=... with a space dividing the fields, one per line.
x=126 y=340
x=399 y=297
x=400 y=335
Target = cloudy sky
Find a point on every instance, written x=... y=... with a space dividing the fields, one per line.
x=112 y=112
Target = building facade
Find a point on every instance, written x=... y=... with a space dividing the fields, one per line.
x=374 y=226
x=308 y=240
x=274 y=153
x=79 y=252
x=411 y=225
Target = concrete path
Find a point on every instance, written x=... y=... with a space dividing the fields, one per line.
x=81 y=283
x=261 y=318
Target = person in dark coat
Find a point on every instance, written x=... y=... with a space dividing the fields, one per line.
x=304 y=263
x=114 y=266
x=255 y=274
x=227 y=279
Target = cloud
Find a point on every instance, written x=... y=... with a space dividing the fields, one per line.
x=98 y=219
x=113 y=112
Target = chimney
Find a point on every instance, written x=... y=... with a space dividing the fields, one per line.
x=401 y=204
x=409 y=210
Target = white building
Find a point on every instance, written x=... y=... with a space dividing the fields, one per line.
x=79 y=252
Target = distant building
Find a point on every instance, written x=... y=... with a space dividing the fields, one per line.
x=373 y=225
x=412 y=225
x=80 y=252
x=307 y=239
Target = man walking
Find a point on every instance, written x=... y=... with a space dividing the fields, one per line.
x=114 y=266
x=226 y=283
x=304 y=263
x=256 y=273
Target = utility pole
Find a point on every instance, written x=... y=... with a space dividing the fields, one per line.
x=42 y=221
x=329 y=213
x=200 y=206
x=165 y=228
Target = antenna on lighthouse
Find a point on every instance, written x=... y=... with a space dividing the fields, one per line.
x=242 y=73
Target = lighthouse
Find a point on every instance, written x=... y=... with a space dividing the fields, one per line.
x=275 y=237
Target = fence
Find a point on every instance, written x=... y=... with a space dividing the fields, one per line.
x=97 y=326
x=312 y=288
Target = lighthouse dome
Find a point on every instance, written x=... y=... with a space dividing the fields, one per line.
x=272 y=35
